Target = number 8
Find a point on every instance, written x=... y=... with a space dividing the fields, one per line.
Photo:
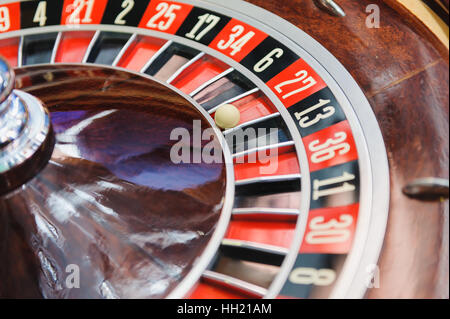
x=311 y=276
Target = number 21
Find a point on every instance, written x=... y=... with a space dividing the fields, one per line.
x=77 y=7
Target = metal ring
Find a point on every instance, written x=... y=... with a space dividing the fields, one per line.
x=7 y=79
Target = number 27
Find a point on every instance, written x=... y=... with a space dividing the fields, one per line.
x=301 y=76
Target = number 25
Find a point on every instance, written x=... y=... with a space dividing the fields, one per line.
x=166 y=10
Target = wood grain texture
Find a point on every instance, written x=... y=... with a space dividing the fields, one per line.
x=403 y=70
x=433 y=16
x=445 y=3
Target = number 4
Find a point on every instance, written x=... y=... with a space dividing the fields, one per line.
x=41 y=14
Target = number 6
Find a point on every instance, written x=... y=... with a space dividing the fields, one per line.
x=268 y=60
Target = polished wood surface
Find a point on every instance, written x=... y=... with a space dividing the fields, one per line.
x=432 y=15
x=445 y=3
x=110 y=201
x=403 y=70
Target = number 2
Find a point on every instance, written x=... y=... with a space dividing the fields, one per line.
x=127 y=5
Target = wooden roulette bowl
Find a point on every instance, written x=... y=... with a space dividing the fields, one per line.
x=374 y=75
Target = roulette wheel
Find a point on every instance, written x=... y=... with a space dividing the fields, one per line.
x=331 y=183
